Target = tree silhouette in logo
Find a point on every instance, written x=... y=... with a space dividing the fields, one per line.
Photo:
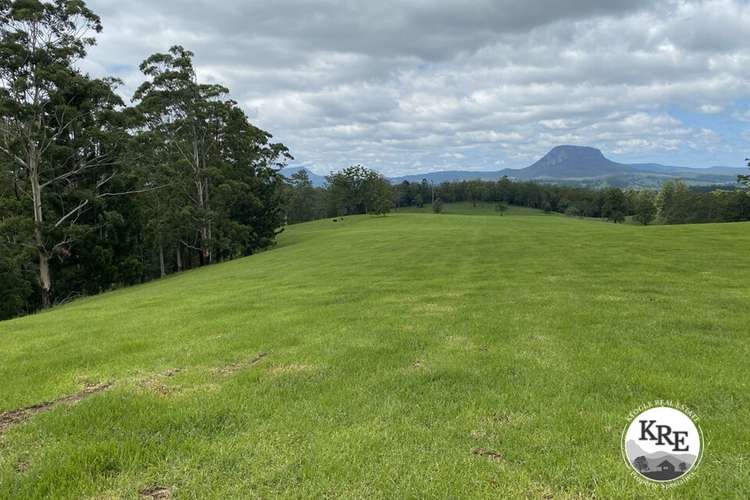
x=641 y=463
x=683 y=466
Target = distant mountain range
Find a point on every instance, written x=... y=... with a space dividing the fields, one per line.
x=654 y=459
x=578 y=165
x=583 y=165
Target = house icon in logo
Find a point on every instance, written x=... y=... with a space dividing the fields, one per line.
x=666 y=466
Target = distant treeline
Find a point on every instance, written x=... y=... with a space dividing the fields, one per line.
x=674 y=203
x=353 y=190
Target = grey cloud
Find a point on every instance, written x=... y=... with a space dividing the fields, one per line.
x=429 y=30
x=409 y=85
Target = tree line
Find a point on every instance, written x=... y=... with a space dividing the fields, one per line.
x=674 y=203
x=97 y=193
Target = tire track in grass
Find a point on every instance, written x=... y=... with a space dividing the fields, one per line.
x=14 y=417
x=11 y=418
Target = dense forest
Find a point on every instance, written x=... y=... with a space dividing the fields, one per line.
x=97 y=192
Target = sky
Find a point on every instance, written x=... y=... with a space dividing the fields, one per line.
x=416 y=86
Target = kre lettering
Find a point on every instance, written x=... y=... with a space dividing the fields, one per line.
x=664 y=435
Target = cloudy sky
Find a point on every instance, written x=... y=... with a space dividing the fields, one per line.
x=415 y=86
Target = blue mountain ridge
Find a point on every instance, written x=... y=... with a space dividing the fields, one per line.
x=575 y=164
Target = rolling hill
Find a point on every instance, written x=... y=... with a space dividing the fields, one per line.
x=413 y=355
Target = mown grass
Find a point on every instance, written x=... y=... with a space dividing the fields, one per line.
x=479 y=208
x=394 y=347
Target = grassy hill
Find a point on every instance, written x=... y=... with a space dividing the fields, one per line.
x=413 y=355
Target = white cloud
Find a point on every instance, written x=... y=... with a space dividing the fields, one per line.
x=711 y=109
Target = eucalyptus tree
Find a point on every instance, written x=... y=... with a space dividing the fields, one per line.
x=221 y=169
x=182 y=115
x=302 y=198
x=60 y=131
x=249 y=188
x=674 y=202
x=614 y=205
x=379 y=194
x=164 y=214
x=644 y=207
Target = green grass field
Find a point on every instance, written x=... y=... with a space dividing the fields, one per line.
x=370 y=357
x=468 y=208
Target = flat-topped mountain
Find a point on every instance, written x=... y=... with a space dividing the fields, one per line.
x=587 y=165
x=573 y=162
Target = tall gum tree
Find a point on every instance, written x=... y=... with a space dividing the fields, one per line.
x=221 y=167
x=187 y=116
x=57 y=124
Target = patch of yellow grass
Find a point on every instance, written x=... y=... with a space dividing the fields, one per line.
x=290 y=369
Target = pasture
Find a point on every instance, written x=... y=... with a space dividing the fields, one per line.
x=464 y=354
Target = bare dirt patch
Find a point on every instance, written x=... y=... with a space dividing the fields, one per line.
x=154 y=384
x=155 y=493
x=418 y=366
x=488 y=454
x=13 y=417
x=508 y=418
x=479 y=434
x=240 y=365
